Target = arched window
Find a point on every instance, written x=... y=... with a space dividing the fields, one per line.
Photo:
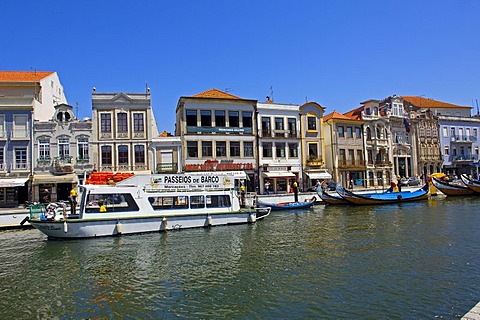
x=369 y=133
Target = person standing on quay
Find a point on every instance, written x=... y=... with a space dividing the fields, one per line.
x=295 y=191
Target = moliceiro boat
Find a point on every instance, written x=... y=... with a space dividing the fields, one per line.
x=472 y=184
x=384 y=197
x=452 y=189
x=289 y=205
x=151 y=203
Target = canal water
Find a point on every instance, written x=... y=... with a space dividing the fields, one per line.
x=411 y=261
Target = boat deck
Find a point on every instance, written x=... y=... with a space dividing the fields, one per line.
x=473 y=314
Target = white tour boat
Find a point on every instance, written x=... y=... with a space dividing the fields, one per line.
x=149 y=203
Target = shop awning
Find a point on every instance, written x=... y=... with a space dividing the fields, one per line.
x=17 y=182
x=319 y=175
x=278 y=174
x=50 y=178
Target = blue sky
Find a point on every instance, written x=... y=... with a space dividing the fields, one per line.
x=337 y=53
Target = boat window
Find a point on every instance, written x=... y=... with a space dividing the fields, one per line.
x=167 y=203
x=197 y=202
x=220 y=201
x=114 y=202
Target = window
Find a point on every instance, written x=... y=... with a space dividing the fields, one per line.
x=279 y=131
x=197 y=202
x=2 y=159
x=311 y=123
x=43 y=149
x=359 y=159
x=313 y=151
x=20 y=129
x=474 y=132
x=265 y=127
x=122 y=154
x=21 y=158
x=349 y=132
x=221 y=148
x=247 y=119
x=105 y=122
x=280 y=149
x=138 y=123
x=267 y=150
x=64 y=149
x=220 y=118
x=139 y=154
x=341 y=131
x=207 y=150
x=114 y=202
x=248 y=149
x=122 y=122
x=452 y=131
x=369 y=134
x=234 y=149
x=191 y=118
x=292 y=127
x=447 y=150
x=467 y=133
x=233 y=119
x=206 y=118
x=169 y=202
x=107 y=155
x=358 y=132
x=220 y=201
x=445 y=131
x=377 y=130
x=351 y=156
x=82 y=144
x=342 y=156
x=2 y=126
x=293 y=150
x=192 y=149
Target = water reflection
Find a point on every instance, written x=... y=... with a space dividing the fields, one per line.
x=415 y=260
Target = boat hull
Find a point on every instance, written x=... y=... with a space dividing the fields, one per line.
x=288 y=205
x=473 y=185
x=452 y=190
x=384 y=198
x=82 y=228
x=331 y=199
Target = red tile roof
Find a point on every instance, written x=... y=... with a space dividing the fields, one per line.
x=338 y=116
x=355 y=114
x=23 y=76
x=216 y=94
x=427 y=103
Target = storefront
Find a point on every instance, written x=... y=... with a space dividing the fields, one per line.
x=58 y=186
x=276 y=181
x=314 y=175
x=13 y=191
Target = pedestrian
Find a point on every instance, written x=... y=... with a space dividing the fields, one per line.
x=267 y=187
x=295 y=191
x=46 y=196
x=72 y=199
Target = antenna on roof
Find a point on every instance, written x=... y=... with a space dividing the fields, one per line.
x=271 y=93
x=478 y=111
x=76 y=107
x=227 y=90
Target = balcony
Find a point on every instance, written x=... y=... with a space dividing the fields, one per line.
x=465 y=158
x=44 y=162
x=83 y=160
x=62 y=165
x=315 y=162
x=167 y=167
x=463 y=139
x=351 y=163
